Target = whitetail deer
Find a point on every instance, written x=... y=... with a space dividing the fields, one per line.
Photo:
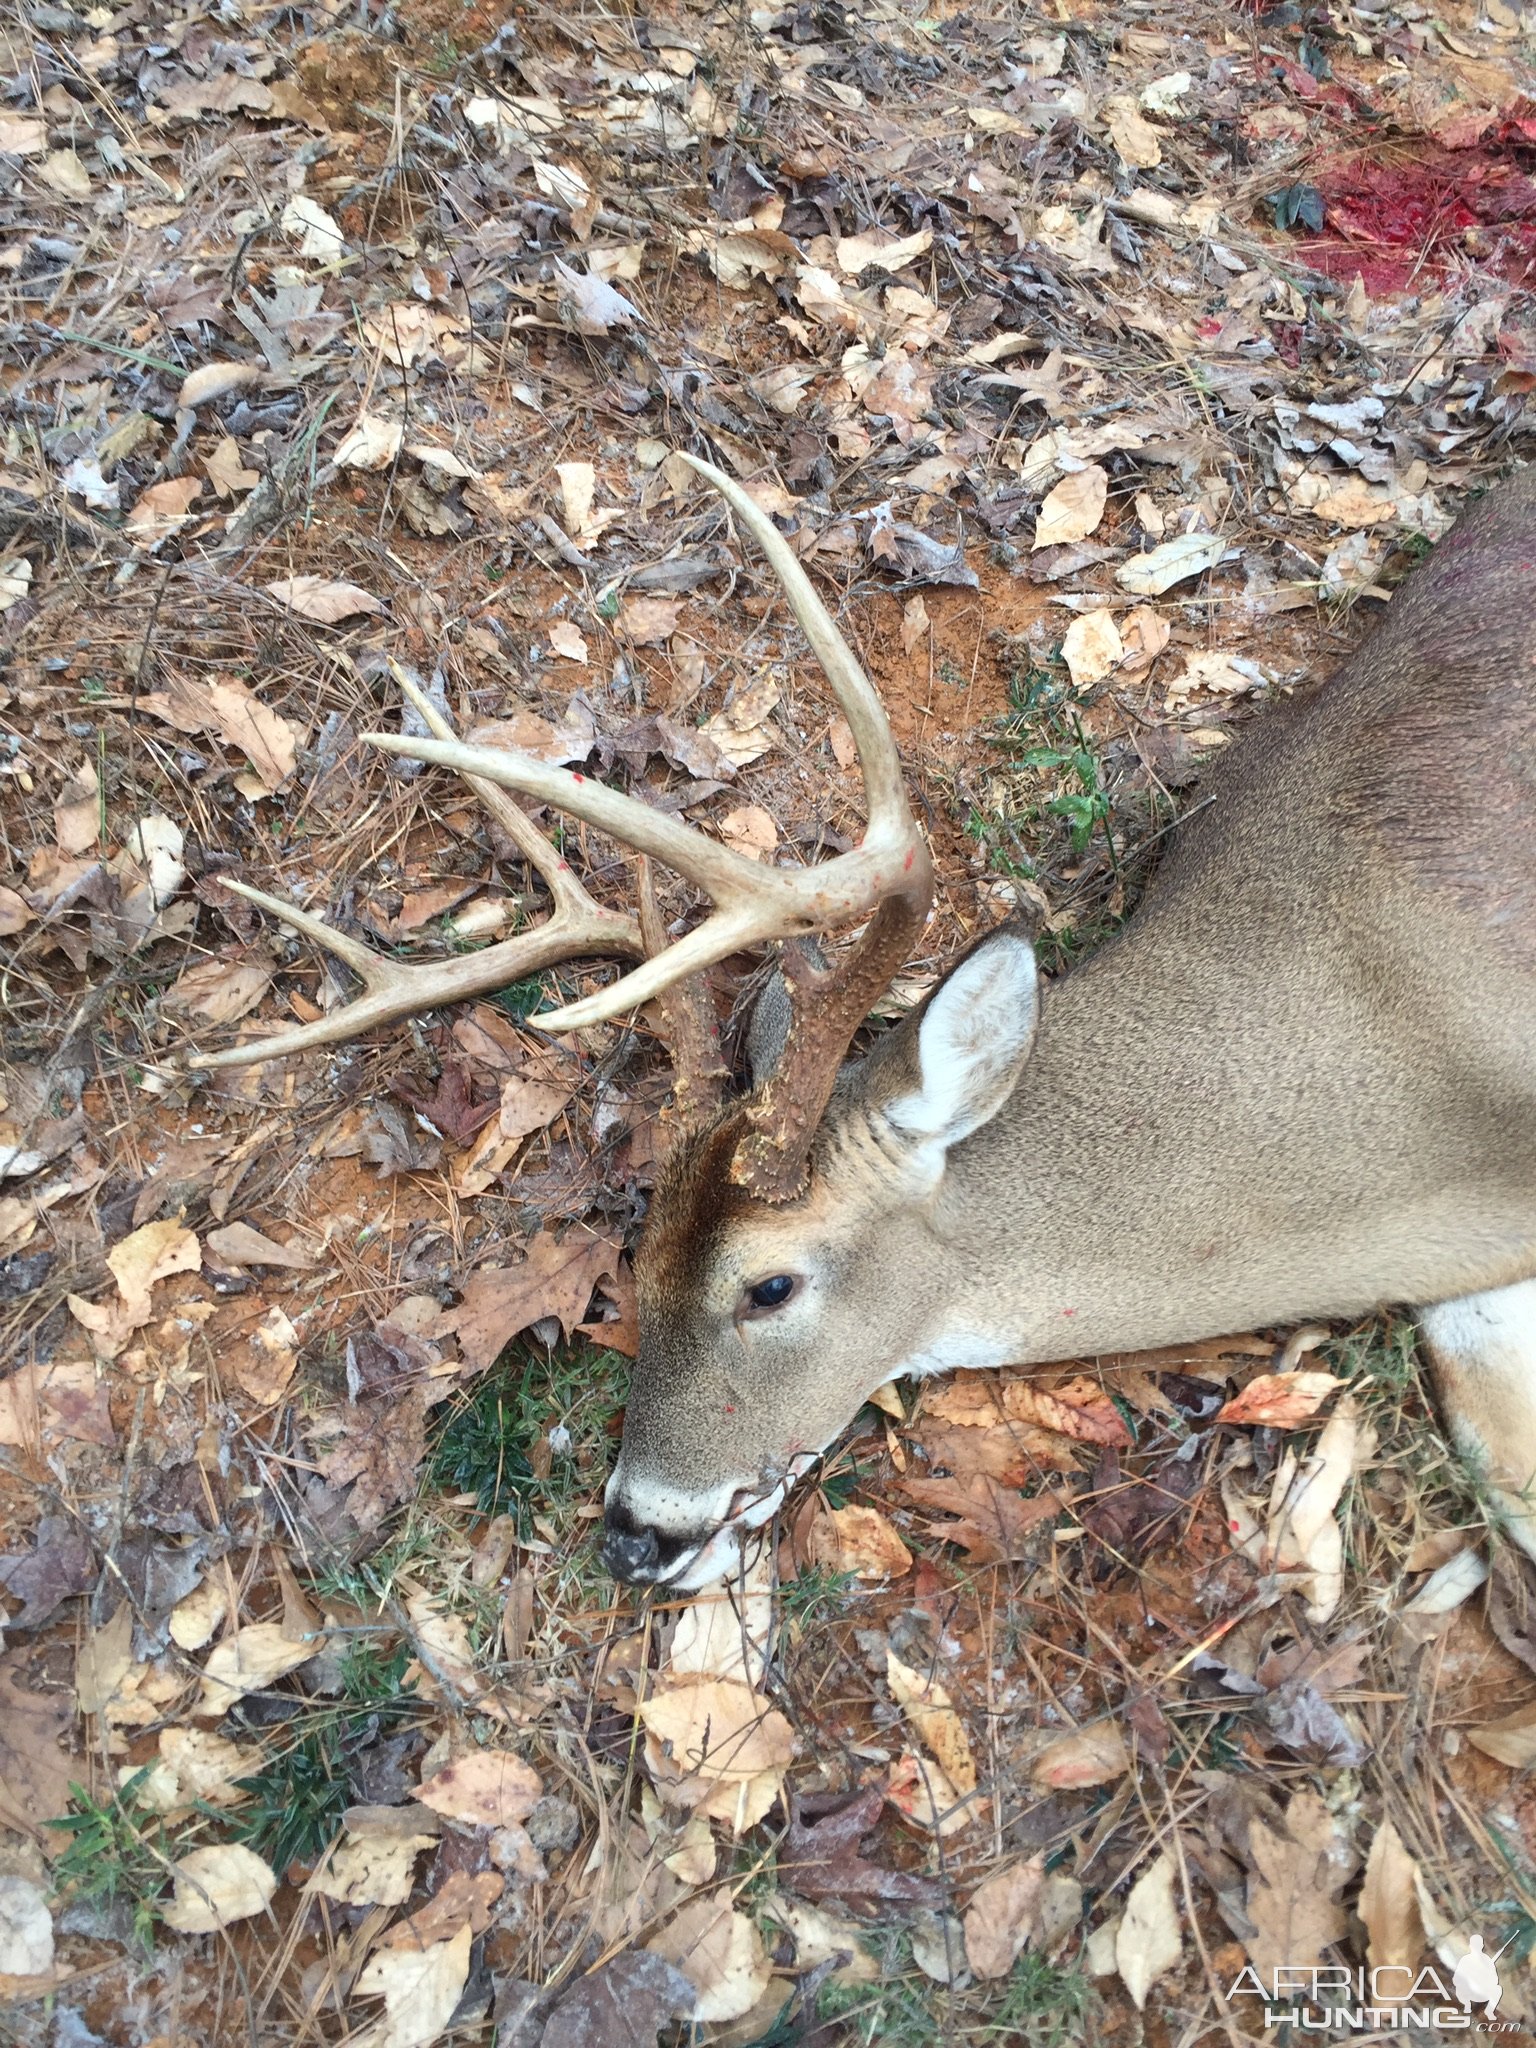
x=1300 y=1083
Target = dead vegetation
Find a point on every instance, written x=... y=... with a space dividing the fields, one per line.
x=1099 y=364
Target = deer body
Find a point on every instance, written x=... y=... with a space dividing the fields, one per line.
x=1300 y=1083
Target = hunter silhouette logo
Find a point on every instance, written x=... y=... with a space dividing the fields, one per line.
x=1391 y=1997
x=1476 y=1980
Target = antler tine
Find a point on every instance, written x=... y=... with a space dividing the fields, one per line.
x=393 y=989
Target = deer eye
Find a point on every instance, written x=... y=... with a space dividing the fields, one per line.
x=772 y=1293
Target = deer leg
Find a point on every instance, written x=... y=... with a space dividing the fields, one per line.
x=1482 y=1352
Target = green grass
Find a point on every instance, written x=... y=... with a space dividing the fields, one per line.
x=892 y=2015
x=117 y=1851
x=485 y=1443
x=1043 y=2004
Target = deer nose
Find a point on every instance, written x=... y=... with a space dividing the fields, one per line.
x=631 y=1554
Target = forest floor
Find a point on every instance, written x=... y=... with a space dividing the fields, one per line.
x=1106 y=367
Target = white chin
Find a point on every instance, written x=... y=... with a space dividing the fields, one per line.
x=722 y=1556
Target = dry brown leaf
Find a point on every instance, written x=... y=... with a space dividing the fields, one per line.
x=568 y=641
x=1088 y=1756
x=1149 y=1940
x=938 y=1727
x=64 y=170
x=1134 y=138
x=269 y=1359
x=721 y=1954
x=921 y=1792
x=26 y=1933
x=420 y=1988
x=915 y=627
x=1173 y=561
x=1389 y=1903
x=267 y=740
x=485 y=1788
x=226 y=471
x=857 y=1540
x=105 y=1658
x=194 y=1767
x=1145 y=634
x=218 y=1885
x=152 y=1254
x=194 y=1619
x=1092 y=648
x=649 y=621
x=996 y=1524
x=1003 y=1916
x=158 y=512
x=1073 y=509
x=750 y=830
x=219 y=991
x=241 y=1244
x=369 y=443
x=556 y=1278
x=373 y=1868
x=718 y=1728
x=254 y=1657
x=320 y=598
x=1511 y=1741
x=1280 y=1400
x=1293 y=1889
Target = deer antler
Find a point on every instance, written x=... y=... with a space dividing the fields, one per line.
x=886 y=879
x=401 y=988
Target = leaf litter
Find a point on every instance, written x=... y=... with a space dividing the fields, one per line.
x=1099 y=414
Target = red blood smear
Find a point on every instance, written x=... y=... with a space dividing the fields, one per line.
x=1395 y=224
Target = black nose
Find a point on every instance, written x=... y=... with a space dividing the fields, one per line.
x=631 y=1553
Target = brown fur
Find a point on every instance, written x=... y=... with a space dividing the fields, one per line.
x=1301 y=1082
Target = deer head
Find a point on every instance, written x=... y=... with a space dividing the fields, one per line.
x=775 y=1213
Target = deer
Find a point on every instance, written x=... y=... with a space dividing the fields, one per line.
x=1298 y=1083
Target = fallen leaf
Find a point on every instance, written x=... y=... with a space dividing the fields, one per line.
x=158 y=512
x=1511 y=1741
x=256 y=1656
x=216 y=1886
x=270 y=1358
x=65 y=172
x=721 y=1954
x=370 y=443
x=649 y=621
x=750 y=830
x=857 y=1540
x=1088 y=1756
x=484 y=1788
x=373 y=1868
x=195 y=1768
x=1174 y=561
x=1279 y=1400
x=316 y=233
x=1073 y=509
x=939 y=1728
x=267 y=740
x=858 y=253
x=15 y=581
x=1003 y=1916
x=1092 y=648
x=240 y=1244
x=1149 y=1941
x=567 y=641
x=1389 y=1904
x=718 y=1728
x=597 y=307
x=1145 y=634
x=556 y=1278
x=921 y=1792
x=152 y=1254
x=915 y=627
x=317 y=597
x=624 y=2003
x=1293 y=1888
x=36 y=1771
x=23 y=134
x=226 y=470
x=996 y=1525
x=26 y=1929
x=1134 y=138
x=211 y=381
x=420 y=1988
x=578 y=488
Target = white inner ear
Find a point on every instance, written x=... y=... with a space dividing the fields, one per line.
x=973 y=1040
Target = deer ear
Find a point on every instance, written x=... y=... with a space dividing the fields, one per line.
x=972 y=1041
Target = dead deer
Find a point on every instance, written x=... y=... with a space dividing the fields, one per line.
x=1301 y=1082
